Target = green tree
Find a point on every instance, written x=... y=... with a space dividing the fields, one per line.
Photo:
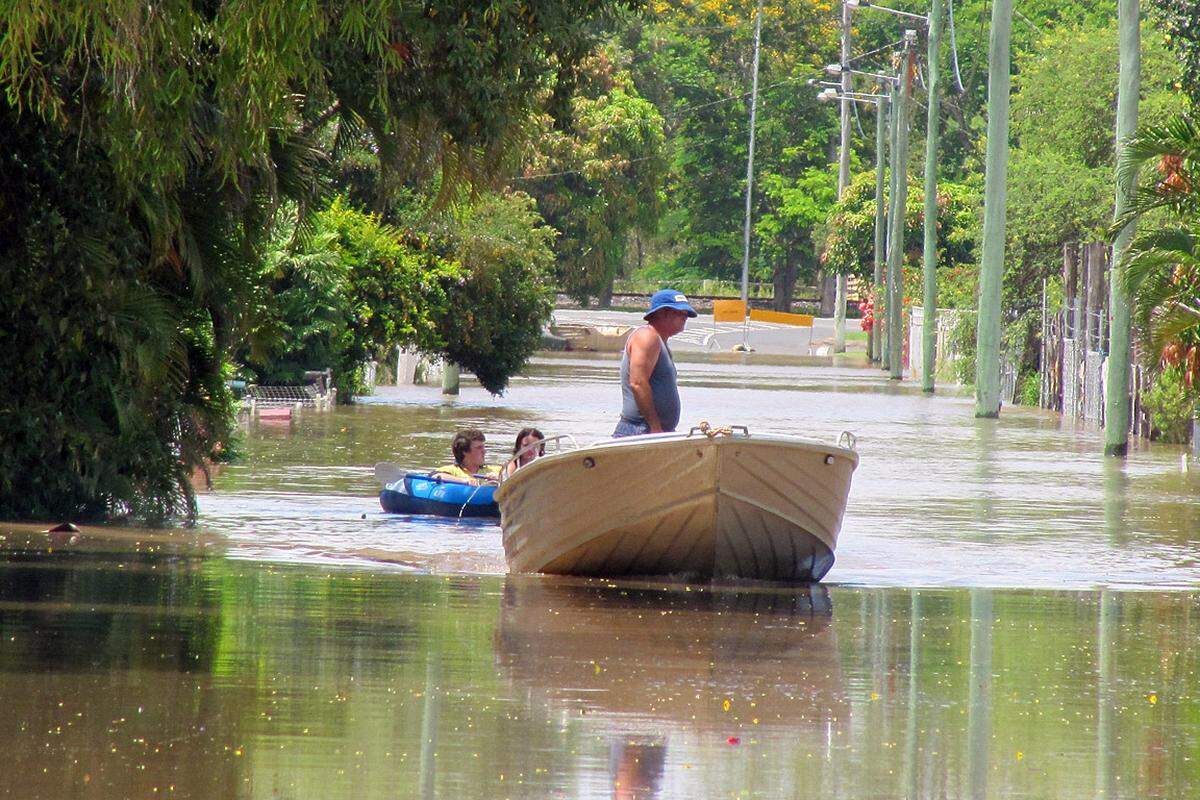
x=494 y=315
x=849 y=243
x=1063 y=112
x=694 y=61
x=797 y=209
x=1180 y=19
x=603 y=179
x=188 y=125
x=1162 y=265
x=346 y=294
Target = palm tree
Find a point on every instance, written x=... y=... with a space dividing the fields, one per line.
x=1162 y=264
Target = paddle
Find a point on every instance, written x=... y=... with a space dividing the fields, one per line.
x=387 y=472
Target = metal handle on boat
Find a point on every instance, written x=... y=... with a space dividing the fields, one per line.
x=540 y=443
x=848 y=440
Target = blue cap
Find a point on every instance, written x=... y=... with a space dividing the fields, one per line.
x=669 y=298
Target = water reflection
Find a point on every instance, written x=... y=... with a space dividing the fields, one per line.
x=636 y=767
x=679 y=675
x=122 y=674
x=979 y=679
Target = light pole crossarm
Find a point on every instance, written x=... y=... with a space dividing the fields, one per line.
x=856 y=4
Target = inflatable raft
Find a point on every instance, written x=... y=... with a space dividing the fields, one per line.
x=418 y=493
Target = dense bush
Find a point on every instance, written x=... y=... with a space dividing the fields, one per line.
x=349 y=291
x=849 y=243
x=113 y=387
x=496 y=310
x=1171 y=403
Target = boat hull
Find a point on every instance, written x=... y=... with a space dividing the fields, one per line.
x=758 y=507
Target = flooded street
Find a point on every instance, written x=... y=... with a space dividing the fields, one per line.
x=939 y=498
x=1010 y=615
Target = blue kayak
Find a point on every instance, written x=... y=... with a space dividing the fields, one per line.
x=418 y=493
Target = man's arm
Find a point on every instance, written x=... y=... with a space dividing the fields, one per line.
x=644 y=347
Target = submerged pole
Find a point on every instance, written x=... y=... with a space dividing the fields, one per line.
x=750 y=165
x=896 y=243
x=894 y=208
x=839 y=307
x=449 y=377
x=995 y=208
x=929 y=322
x=1116 y=389
x=881 y=113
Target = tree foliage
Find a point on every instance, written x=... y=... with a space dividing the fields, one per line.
x=849 y=243
x=599 y=178
x=495 y=313
x=1180 y=20
x=186 y=126
x=349 y=292
x=113 y=387
x=694 y=62
x=1063 y=162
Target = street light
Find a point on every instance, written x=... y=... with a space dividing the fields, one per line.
x=829 y=95
x=838 y=69
x=857 y=4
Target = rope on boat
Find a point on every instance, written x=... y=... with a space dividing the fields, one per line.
x=713 y=432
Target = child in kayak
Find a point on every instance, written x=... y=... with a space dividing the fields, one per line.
x=469 y=457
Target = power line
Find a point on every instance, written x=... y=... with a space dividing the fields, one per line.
x=697 y=106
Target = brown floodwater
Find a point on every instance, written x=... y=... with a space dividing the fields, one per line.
x=1010 y=616
x=939 y=498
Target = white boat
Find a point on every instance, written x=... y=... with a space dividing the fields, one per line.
x=593 y=338
x=706 y=504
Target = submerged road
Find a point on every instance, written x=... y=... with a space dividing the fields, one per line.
x=939 y=499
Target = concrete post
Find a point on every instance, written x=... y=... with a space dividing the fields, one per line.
x=881 y=114
x=839 y=308
x=750 y=161
x=995 y=210
x=1116 y=390
x=894 y=208
x=449 y=378
x=896 y=244
x=929 y=326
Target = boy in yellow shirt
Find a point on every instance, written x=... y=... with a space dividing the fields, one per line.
x=469 y=457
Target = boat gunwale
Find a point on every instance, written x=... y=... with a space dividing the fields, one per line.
x=625 y=442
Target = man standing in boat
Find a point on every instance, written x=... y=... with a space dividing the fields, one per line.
x=649 y=392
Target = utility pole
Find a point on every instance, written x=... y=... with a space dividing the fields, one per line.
x=750 y=166
x=896 y=244
x=929 y=321
x=839 y=307
x=1116 y=389
x=893 y=210
x=881 y=112
x=995 y=209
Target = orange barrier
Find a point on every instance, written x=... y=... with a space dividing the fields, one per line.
x=781 y=317
x=729 y=311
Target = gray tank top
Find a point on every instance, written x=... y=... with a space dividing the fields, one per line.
x=663 y=387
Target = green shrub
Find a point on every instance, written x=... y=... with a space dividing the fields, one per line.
x=353 y=289
x=962 y=345
x=1171 y=403
x=1029 y=389
x=494 y=314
